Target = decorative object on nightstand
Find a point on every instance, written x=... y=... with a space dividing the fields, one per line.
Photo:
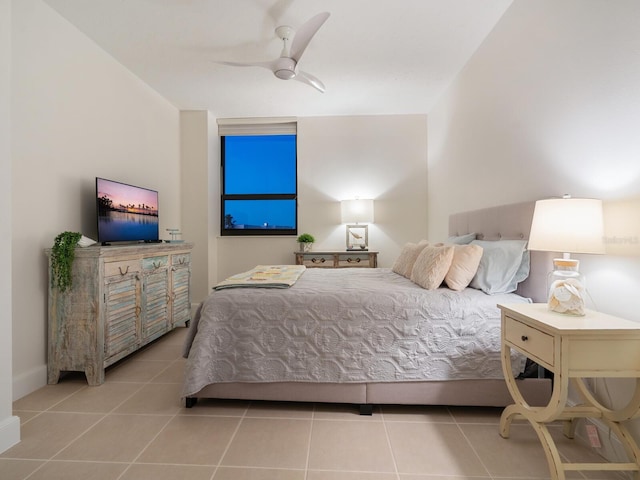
x=306 y=241
x=359 y=213
x=568 y=225
x=573 y=349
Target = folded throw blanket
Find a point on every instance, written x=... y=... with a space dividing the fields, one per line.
x=264 y=276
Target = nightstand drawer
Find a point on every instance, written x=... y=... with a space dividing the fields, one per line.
x=530 y=341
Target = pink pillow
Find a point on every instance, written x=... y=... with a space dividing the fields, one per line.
x=432 y=266
x=466 y=259
x=404 y=263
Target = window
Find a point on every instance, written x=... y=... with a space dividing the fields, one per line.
x=259 y=185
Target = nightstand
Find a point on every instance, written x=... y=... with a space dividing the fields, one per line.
x=573 y=348
x=343 y=259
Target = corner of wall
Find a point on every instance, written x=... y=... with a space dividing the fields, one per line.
x=9 y=433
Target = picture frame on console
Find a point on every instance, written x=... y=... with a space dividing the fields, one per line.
x=358 y=237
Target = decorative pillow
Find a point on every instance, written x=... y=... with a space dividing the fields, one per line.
x=404 y=263
x=432 y=266
x=498 y=266
x=462 y=239
x=522 y=273
x=466 y=259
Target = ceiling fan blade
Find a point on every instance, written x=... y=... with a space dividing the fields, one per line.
x=309 y=79
x=268 y=65
x=305 y=33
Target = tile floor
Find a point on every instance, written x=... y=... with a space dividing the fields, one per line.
x=134 y=428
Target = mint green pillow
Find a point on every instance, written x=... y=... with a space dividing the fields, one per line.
x=500 y=266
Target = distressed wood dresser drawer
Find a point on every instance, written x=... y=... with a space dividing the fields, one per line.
x=121 y=268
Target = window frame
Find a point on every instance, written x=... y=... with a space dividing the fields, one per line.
x=242 y=232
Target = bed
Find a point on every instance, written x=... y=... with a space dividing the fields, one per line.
x=365 y=336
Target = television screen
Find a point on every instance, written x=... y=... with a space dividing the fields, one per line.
x=126 y=213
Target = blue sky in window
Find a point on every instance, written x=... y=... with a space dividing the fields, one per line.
x=261 y=164
x=262 y=213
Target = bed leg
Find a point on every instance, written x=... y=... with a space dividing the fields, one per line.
x=190 y=402
x=366 y=409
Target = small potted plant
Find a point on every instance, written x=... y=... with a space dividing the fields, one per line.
x=62 y=255
x=305 y=240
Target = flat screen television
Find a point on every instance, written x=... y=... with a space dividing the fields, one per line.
x=126 y=213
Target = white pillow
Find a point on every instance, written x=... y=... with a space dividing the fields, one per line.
x=404 y=263
x=498 y=266
x=432 y=266
x=466 y=259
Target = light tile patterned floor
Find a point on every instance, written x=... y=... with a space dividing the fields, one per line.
x=134 y=428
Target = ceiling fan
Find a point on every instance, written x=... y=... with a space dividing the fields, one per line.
x=285 y=67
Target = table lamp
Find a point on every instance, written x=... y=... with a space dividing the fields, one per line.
x=358 y=212
x=567 y=225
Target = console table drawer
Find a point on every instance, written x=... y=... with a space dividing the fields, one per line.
x=318 y=260
x=354 y=260
x=341 y=259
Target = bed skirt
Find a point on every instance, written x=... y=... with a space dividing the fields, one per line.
x=489 y=393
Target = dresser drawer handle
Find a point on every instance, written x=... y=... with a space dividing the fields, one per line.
x=524 y=338
x=353 y=260
x=125 y=272
x=317 y=260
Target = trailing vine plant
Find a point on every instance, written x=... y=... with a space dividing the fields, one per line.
x=62 y=255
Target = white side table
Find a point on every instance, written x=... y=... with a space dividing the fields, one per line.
x=573 y=348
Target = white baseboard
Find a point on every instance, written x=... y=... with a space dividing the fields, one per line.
x=28 y=382
x=9 y=433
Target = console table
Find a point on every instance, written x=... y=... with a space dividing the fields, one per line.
x=573 y=348
x=343 y=259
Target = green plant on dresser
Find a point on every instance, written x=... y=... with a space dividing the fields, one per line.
x=62 y=255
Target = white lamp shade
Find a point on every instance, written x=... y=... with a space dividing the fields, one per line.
x=357 y=211
x=568 y=225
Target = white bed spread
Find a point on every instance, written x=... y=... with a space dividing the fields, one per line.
x=351 y=325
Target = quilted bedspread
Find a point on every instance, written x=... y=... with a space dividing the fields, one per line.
x=345 y=325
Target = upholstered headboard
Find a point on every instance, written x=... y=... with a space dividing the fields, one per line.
x=507 y=222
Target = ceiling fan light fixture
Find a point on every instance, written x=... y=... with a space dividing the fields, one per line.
x=285 y=68
x=285 y=74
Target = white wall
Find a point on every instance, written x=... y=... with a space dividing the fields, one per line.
x=200 y=199
x=76 y=114
x=549 y=105
x=379 y=157
x=9 y=425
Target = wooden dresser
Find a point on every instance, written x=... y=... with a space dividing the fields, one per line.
x=122 y=298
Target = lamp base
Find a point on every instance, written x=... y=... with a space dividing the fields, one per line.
x=566 y=288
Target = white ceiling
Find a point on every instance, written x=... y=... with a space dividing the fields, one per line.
x=374 y=56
